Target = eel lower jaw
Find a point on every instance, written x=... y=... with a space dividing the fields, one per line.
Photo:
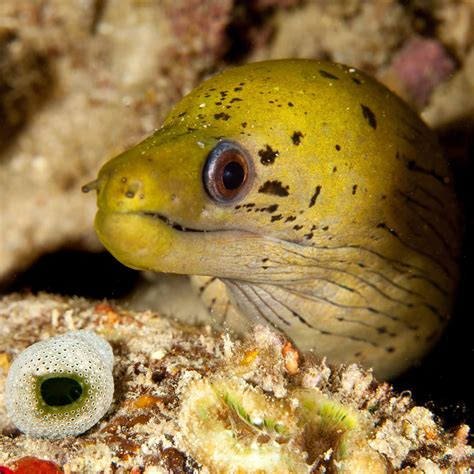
x=169 y=222
x=151 y=241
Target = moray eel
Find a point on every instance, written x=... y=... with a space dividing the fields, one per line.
x=313 y=198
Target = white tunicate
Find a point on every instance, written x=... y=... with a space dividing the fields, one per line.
x=81 y=359
x=99 y=344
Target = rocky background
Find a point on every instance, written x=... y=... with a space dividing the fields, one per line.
x=81 y=80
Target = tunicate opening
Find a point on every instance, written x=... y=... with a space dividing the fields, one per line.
x=60 y=391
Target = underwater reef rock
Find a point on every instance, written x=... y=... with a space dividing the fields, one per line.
x=453 y=101
x=360 y=34
x=417 y=68
x=79 y=82
x=189 y=400
x=412 y=47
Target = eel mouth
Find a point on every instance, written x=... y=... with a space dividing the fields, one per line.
x=170 y=223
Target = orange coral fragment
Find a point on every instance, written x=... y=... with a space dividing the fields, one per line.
x=431 y=433
x=462 y=435
x=249 y=357
x=145 y=401
x=103 y=308
x=291 y=356
x=108 y=316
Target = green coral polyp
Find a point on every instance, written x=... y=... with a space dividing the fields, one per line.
x=326 y=420
x=61 y=386
x=234 y=404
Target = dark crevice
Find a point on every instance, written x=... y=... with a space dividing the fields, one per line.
x=98 y=12
x=74 y=273
x=251 y=27
x=27 y=81
x=423 y=21
x=441 y=380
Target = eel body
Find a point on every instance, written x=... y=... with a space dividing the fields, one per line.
x=316 y=199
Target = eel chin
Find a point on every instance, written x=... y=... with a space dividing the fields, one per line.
x=145 y=240
x=151 y=241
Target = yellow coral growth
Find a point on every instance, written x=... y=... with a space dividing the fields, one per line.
x=234 y=427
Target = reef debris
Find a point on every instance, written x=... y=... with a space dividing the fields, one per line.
x=184 y=394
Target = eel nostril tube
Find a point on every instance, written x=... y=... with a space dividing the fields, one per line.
x=90 y=186
x=61 y=386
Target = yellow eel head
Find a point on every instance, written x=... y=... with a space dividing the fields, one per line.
x=317 y=195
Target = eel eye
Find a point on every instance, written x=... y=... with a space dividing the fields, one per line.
x=228 y=172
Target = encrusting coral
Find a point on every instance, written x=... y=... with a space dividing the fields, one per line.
x=227 y=420
x=61 y=386
x=187 y=400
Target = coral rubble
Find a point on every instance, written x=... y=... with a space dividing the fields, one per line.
x=188 y=400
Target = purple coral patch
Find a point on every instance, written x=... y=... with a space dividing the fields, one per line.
x=419 y=66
